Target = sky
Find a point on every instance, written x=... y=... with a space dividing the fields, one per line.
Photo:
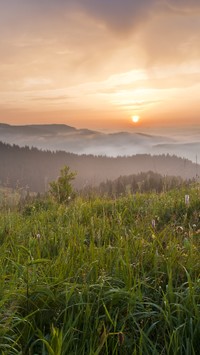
x=98 y=63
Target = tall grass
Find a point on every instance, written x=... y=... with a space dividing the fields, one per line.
x=96 y=277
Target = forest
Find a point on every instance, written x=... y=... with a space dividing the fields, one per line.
x=33 y=169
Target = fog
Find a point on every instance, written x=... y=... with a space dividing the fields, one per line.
x=183 y=142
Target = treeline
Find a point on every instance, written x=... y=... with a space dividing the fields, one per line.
x=143 y=182
x=34 y=169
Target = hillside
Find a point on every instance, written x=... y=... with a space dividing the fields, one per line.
x=85 y=141
x=24 y=166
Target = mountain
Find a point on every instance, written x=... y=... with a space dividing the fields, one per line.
x=84 y=141
x=25 y=166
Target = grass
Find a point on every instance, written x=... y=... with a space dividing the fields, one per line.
x=95 y=277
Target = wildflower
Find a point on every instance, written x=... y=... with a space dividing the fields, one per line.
x=38 y=236
x=179 y=229
x=153 y=223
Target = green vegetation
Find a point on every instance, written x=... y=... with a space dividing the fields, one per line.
x=62 y=189
x=101 y=276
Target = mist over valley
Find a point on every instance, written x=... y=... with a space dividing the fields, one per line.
x=56 y=137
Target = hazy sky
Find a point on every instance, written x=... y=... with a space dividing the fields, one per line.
x=97 y=63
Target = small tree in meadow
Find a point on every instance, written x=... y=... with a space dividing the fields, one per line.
x=62 y=189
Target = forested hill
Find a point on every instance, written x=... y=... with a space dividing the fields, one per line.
x=35 y=168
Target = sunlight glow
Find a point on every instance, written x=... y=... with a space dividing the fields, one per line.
x=135 y=119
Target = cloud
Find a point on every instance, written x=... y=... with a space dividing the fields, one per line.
x=171 y=39
x=118 y=15
x=92 y=51
x=183 y=6
x=80 y=27
x=50 y=99
x=114 y=13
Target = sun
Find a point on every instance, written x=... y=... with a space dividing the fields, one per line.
x=135 y=119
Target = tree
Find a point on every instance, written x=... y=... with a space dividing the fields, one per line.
x=61 y=189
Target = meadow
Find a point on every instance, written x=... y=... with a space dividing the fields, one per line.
x=101 y=276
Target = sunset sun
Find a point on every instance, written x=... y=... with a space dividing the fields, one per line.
x=135 y=119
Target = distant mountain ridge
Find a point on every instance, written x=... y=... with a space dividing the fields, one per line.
x=85 y=141
x=24 y=166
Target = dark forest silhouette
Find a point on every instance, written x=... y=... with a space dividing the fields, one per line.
x=35 y=169
x=142 y=182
